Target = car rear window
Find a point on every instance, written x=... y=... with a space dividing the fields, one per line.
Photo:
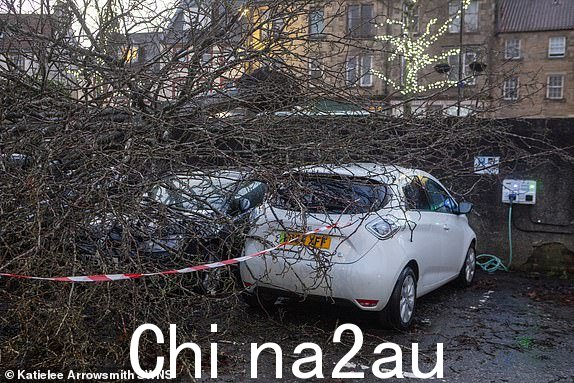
x=330 y=194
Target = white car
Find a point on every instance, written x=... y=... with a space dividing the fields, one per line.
x=399 y=235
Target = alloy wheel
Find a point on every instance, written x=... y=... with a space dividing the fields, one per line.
x=470 y=265
x=407 y=302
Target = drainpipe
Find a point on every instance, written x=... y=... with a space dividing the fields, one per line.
x=388 y=31
x=460 y=57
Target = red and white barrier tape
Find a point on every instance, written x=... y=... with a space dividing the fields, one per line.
x=214 y=265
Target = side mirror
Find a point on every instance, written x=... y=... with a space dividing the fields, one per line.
x=464 y=207
x=240 y=205
x=244 y=205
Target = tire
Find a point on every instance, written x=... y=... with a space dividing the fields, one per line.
x=219 y=280
x=210 y=282
x=467 y=271
x=256 y=300
x=400 y=310
x=250 y=299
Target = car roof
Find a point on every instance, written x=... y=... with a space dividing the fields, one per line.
x=393 y=175
x=227 y=174
x=361 y=169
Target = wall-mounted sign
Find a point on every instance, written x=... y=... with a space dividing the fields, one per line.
x=486 y=165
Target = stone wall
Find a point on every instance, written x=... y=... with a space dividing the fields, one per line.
x=542 y=234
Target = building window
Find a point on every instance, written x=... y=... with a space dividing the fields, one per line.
x=315 y=69
x=510 y=89
x=142 y=54
x=272 y=29
x=469 y=56
x=557 y=46
x=470 y=16
x=360 y=20
x=19 y=61
x=359 y=70
x=512 y=49
x=278 y=27
x=411 y=16
x=316 y=23
x=555 y=87
x=206 y=59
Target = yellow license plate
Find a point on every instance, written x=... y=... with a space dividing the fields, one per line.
x=317 y=241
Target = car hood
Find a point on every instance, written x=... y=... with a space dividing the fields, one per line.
x=151 y=223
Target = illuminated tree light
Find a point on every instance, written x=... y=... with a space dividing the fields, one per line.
x=414 y=50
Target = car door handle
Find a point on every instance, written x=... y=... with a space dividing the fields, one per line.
x=446 y=227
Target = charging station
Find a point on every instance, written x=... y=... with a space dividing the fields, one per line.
x=513 y=192
x=519 y=192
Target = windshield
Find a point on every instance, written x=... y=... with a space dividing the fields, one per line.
x=331 y=194
x=194 y=192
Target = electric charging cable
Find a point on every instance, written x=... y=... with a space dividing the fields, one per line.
x=491 y=263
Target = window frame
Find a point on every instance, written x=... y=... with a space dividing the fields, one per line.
x=20 y=61
x=320 y=33
x=455 y=26
x=563 y=46
x=358 y=70
x=365 y=75
x=415 y=17
x=506 y=87
x=354 y=69
x=468 y=76
x=319 y=68
x=424 y=180
x=418 y=184
x=359 y=31
x=549 y=87
x=517 y=49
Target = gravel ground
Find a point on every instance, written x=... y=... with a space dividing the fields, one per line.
x=507 y=327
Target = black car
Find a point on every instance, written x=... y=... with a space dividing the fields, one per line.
x=181 y=220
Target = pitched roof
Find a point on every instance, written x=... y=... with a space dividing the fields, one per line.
x=535 y=15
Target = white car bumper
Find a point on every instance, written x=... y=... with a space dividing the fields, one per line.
x=367 y=279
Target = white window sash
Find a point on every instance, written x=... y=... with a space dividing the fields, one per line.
x=552 y=88
x=351 y=70
x=366 y=74
x=315 y=69
x=454 y=26
x=512 y=49
x=557 y=46
x=468 y=57
x=511 y=88
x=471 y=16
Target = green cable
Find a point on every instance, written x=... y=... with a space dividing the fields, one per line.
x=493 y=263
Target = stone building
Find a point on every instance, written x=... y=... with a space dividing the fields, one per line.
x=536 y=39
x=515 y=54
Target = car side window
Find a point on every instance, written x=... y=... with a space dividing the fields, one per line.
x=439 y=199
x=415 y=195
x=254 y=192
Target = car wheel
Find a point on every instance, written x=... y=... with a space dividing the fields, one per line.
x=256 y=300
x=400 y=310
x=467 y=271
x=211 y=282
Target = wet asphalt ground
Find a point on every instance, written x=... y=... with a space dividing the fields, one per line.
x=507 y=327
